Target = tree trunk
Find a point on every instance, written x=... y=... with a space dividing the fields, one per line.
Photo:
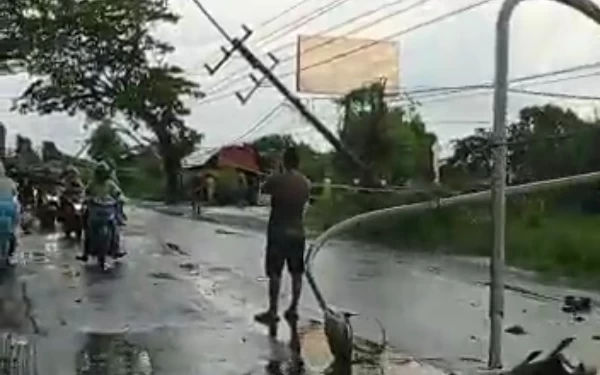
x=172 y=169
x=171 y=164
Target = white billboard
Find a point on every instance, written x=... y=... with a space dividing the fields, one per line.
x=336 y=66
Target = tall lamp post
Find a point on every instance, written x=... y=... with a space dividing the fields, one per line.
x=588 y=8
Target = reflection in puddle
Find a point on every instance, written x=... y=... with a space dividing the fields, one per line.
x=308 y=353
x=17 y=356
x=111 y=354
x=15 y=307
x=290 y=363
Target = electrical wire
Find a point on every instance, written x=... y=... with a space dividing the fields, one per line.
x=240 y=74
x=283 y=13
x=259 y=124
x=333 y=4
x=270 y=20
x=553 y=94
x=370 y=44
x=444 y=93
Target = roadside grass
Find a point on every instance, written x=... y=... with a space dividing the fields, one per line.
x=553 y=242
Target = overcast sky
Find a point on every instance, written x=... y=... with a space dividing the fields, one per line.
x=546 y=36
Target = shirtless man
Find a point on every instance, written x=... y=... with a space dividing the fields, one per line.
x=286 y=240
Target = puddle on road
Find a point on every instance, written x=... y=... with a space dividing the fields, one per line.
x=112 y=354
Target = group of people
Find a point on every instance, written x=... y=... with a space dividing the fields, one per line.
x=286 y=240
x=102 y=187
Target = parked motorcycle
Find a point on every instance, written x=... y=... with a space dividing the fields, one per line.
x=71 y=217
x=102 y=230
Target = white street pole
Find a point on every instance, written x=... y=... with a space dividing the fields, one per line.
x=496 y=311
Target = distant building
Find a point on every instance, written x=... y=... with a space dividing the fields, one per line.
x=242 y=157
x=241 y=161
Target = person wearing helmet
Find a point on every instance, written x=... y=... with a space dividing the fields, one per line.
x=73 y=186
x=101 y=188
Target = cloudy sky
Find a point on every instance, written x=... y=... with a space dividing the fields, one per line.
x=546 y=36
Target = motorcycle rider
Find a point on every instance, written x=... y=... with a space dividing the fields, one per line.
x=9 y=205
x=73 y=187
x=26 y=192
x=102 y=187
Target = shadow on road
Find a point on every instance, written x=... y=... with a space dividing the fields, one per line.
x=112 y=354
x=93 y=274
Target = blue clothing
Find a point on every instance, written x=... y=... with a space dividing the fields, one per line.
x=9 y=214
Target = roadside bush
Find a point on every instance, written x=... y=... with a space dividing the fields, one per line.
x=227 y=186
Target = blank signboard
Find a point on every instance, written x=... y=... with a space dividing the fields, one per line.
x=336 y=66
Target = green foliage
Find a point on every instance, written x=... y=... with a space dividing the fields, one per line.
x=107 y=144
x=227 y=186
x=473 y=154
x=312 y=163
x=100 y=57
x=546 y=142
x=392 y=141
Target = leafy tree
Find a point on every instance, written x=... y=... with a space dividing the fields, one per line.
x=26 y=155
x=106 y=144
x=270 y=148
x=100 y=57
x=391 y=140
x=546 y=142
x=51 y=152
x=473 y=155
x=549 y=141
x=273 y=142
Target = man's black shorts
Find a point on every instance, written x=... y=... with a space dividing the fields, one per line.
x=282 y=249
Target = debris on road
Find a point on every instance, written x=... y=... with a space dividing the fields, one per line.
x=516 y=330
x=163 y=276
x=554 y=363
x=317 y=357
x=577 y=305
x=226 y=232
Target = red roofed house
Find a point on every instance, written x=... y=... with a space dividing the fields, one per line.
x=236 y=169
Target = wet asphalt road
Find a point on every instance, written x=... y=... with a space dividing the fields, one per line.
x=431 y=306
x=179 y=310
x=188 y=309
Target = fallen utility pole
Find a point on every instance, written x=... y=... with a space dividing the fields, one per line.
x=354 y=222
x=239 y=46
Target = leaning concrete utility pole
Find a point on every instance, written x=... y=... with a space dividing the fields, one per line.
x=238 y=45
x=499 y=138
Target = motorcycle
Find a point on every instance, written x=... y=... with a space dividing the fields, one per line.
x=72 y=217
x=48 y=211
x=102 y=230
x=27 y=218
